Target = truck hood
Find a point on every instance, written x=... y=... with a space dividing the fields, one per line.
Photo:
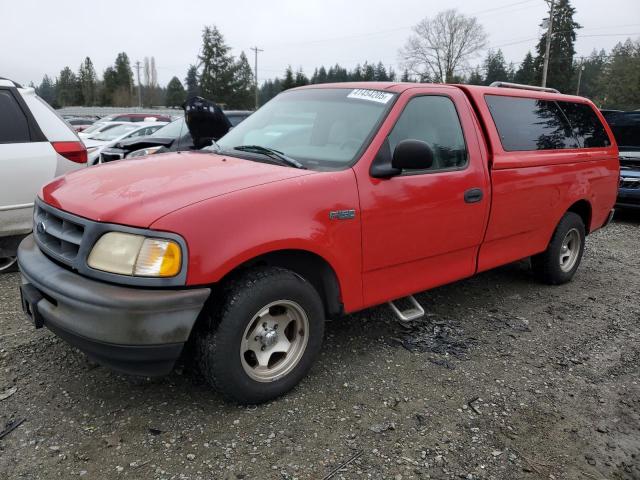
x=138 y=192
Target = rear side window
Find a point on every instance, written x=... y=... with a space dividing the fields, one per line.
x=434 y=120
x=14 y=127
x=526 y=124
x=586 y=125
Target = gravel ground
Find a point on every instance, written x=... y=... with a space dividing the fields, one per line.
x=504 y=379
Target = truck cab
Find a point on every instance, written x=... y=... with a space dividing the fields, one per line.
x=327 y=200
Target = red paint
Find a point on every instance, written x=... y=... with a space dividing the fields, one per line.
x=410 y=233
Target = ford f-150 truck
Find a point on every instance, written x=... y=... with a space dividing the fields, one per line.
x=328 y=200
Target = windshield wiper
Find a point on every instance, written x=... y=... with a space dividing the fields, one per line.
x=271 y=153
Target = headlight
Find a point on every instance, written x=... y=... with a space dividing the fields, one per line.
x=129 y=254
x=144 y=151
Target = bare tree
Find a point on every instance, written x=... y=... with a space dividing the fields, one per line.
x=147 y=72
x=442 y=45
x=154 y=73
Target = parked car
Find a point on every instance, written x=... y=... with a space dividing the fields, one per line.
x=328 y=200
x=136 y=117
x=98 y=127
x=79 y=124
x=96 y=142
x=626 y=129
x=35 y=146
x=174 y=137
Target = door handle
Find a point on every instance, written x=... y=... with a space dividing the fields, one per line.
x=473 y=195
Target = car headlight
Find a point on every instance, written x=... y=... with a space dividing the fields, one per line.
x=136 y=255
x=144 y=151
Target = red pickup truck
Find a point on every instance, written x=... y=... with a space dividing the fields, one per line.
x=327 y=200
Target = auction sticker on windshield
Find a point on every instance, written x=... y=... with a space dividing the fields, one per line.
x=371 y=95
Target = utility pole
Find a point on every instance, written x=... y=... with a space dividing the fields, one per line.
x=139 y=85
x=548 y=46
x=255 y=76
x=580 y=70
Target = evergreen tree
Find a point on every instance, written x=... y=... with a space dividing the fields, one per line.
x=623 y=76
x=217 y=67
x=176 y=93
x=47 y=91
x=368 y=72
x=88 y=82
x=495 y=68
x=191 y=80
x=109 y=86
x=380 y=73
x=593 y=83
x=405 y=76
x=356 y=75
x=289 y=81
x=322 y=75
x=243 y=85
x=526 y=74
x=123 y=93
x=301 y=79
x=475 y=78
x=560 y=69
x=68 y=92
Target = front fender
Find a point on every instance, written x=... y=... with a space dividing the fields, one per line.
x=294 y=214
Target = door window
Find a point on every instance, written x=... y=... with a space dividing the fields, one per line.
x=434 y=120
x=14 y=127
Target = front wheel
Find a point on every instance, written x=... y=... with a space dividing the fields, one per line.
x=262 y=337
x=559 y=262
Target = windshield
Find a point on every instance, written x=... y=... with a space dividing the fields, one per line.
x=98 y=127
x=115 y=132
x=626 y=129
x=172 y=130
x=321 y=128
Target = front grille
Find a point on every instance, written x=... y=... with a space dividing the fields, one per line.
x=57 y=234
x=630 y=183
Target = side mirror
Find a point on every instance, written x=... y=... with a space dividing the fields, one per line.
x=412 y=155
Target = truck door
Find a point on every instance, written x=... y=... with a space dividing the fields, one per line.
x=423 y=228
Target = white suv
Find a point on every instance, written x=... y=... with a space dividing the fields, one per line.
x=36 y=146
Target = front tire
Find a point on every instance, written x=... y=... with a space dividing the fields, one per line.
x=559 y=262
x=262 y=337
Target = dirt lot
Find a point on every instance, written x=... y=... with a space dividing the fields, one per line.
x=505 y=379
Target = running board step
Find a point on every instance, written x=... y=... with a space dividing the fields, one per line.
x=408 y=314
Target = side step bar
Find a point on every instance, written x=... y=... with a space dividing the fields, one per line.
x=408 y=314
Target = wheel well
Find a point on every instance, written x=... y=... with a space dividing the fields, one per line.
x=582 y=208
x=313 y=268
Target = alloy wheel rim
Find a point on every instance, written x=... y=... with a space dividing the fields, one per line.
x=274 y=341
x=570 y=250
x=7 y=262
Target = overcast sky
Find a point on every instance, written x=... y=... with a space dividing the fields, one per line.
x=43 y=36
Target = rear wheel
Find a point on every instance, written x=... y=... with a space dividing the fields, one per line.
x=262 y=337
x=559 y=262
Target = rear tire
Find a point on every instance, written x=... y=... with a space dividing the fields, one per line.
x=559 y=262
x=263 y=335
